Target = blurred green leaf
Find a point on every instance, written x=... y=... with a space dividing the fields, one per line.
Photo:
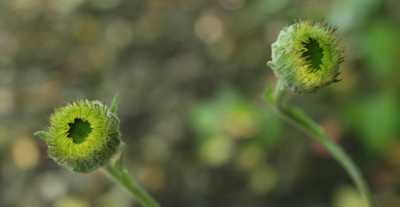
x=379 y=46
x=271 y=133
x=352 y=13
x=268 y=94
x=376 y=119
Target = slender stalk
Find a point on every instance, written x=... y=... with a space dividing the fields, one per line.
x=297 y=118
x=120 y=175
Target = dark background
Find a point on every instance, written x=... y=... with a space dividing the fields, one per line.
x=190 y=74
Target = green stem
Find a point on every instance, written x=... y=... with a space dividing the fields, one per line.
x=121 y=176
x=299 y=120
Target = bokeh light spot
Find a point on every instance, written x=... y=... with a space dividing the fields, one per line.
x=25 y=153
x=208 y=28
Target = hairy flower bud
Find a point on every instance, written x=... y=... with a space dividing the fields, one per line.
x=82 y=135
x=306 y=56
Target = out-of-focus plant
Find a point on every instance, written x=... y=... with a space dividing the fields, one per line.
x=306 y=58
x=83 y=136
x=226 y=119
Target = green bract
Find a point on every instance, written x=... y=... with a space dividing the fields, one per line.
x=82 y=135
x=306 y=56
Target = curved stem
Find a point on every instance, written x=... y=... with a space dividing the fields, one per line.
x=121 y=176
x=299 y=120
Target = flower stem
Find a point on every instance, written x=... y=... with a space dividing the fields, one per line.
x=120 y=175
x=298 y=119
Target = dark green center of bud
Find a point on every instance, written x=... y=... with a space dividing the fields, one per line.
x=79 y=130
x=313 y=54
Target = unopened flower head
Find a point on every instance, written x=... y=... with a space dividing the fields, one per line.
x=83 y=135
x=306 y=56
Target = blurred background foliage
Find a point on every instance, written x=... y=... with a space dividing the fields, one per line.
x=190 y=74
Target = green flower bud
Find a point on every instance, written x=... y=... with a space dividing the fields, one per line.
x=306 y=56
x=82 y=135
